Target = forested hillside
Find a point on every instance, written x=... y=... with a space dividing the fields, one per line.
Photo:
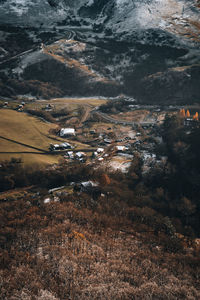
x=136 y=239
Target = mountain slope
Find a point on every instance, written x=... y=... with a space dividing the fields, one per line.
x=120 y=15
x=127 y=42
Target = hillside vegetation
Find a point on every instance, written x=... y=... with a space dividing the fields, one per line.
x=133 y=235
x=78 y=247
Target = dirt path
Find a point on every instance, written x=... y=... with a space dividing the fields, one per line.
x=18 y=55
x=22 y=144
x=24 y=152
x=86 y=113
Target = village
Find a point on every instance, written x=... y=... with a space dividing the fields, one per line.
x=85 y=134
x=88 y=171
x=99 y=150
x=115 y=145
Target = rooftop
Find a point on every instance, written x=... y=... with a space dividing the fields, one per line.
x=67 y=131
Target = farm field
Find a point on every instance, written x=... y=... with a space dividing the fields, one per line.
x=26 y=137
x=70 y=103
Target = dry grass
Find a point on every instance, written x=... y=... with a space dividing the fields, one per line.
x=71 y=104
x=72 y=63
x=32 y=132
x=27 y=130
x=78 y=101
x=32 y=159
x=77 y=254
x=136 y=116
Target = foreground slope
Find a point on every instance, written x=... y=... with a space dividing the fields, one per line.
x=57 y=251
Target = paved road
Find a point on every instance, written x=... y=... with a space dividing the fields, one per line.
x=70 y=36
x=19 y=55
x=123 y=122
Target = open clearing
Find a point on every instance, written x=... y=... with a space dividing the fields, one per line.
x=72 y=102
x=26 y=137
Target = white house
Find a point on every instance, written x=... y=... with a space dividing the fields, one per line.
x=70 y=154
x=100 y=150
x=121 y=148
x=100 y=159
x=65 y=132
x=56 y=147
x=79 y=154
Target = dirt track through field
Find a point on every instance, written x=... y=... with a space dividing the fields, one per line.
x=24 y=152
x=22 y=144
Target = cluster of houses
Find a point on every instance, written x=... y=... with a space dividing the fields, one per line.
x=105 y=140
x=106 y=147
x=20 y=107
x=100 y=154
x=64 y=133
x=189 y=120
x=80 y=156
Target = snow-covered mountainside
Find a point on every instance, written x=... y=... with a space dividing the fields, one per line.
x=145 y=48
x=126 y=19
x=118 y=15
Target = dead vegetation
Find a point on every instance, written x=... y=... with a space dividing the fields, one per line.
x=58 y=251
